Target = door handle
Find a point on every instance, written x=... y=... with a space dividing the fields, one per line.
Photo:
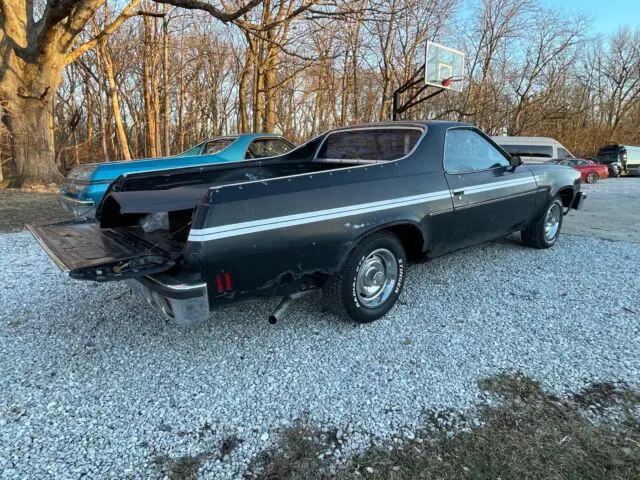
x=458 y=193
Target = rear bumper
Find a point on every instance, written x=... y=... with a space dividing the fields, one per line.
x=79 y=208
x=185 y=303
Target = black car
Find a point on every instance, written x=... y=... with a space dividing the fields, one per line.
x=614 y=157
x=343 y=212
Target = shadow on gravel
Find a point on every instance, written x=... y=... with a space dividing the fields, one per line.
x=520 y=432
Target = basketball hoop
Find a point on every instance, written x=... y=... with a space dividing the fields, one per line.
x=446 y=82
x=443 y=70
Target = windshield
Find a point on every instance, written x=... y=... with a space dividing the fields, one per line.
x=553 y=162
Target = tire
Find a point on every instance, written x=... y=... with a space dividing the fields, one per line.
x=346 y=296
x=593 y=177
x=536 y=235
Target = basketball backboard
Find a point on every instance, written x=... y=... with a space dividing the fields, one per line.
x=444 y=67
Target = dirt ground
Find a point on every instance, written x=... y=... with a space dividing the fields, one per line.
x=18 y=208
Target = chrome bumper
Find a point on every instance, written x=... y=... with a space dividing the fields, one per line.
x=79 y=208
x=186 y=304
x=578 y=201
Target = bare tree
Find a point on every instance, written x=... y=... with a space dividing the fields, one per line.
x=35 y=49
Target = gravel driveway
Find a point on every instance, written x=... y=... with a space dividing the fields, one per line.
x=93 y=382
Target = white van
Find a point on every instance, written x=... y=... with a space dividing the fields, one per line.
x=533 y=149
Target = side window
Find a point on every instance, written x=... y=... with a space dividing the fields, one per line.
x=562 y=153
x=369 y=145
x=267 y=147
x=538 y=151
x=191 y=152
x=568 y=163
x=467 y=151
x=214 y=146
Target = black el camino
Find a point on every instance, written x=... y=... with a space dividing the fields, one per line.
x=344 y=212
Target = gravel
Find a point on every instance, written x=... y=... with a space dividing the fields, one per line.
x=94 y=383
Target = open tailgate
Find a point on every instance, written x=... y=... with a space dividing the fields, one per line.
x=88 y=252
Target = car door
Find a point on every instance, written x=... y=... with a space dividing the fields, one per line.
x=490 y=198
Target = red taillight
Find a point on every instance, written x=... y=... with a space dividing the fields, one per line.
x=223 y=282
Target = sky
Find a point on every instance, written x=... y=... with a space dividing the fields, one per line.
x=607 y=15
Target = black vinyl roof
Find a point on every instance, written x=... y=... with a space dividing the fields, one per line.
x=405 y=123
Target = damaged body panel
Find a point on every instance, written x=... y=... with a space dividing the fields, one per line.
x=301 y=221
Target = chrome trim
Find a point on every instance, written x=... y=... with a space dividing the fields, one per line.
x=181 y=311
x=181 y=287
x=83 y=203
x=44 y=246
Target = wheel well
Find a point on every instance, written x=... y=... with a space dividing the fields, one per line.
x=566 y=195
x=411 y=238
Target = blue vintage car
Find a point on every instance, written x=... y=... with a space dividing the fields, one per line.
x=85 y=184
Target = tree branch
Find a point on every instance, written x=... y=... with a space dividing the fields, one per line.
x=222 y=15
x=128 y=12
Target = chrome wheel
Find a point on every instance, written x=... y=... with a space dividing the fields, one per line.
x=552 y=221
x=376 y=278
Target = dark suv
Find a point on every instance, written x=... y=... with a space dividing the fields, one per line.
x=614 y=157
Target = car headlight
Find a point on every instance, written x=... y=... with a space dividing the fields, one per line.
x=82 y=173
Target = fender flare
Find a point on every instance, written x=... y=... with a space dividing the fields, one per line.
x=348 y=247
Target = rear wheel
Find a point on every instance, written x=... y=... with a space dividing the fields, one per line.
x=593 y=177
x=370 y=281
x=544 y=232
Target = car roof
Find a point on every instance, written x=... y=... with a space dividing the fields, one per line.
x=507 y=140
x=534 y=140
x=403 y=123
x=248 y=136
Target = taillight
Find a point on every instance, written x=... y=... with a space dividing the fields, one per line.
x=224 y=284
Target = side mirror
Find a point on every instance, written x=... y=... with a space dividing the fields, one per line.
x=515 y=161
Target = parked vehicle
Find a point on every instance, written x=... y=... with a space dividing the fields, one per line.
x=620 y=159
x=533 y=149
x=343 y=212
x=590 y=171
x=85 y=184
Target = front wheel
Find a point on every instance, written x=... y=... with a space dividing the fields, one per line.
x=593 y=177
x=544 y=232
x=370 y=281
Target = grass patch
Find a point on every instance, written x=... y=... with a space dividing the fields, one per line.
x=297 y=457
x=182 y=468
x=522 y=433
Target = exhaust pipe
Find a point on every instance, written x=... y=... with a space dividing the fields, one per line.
x=280 y=310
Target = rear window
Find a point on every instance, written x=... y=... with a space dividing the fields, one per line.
x=214 y=146
x=541 y=151
x=369 y=145
x=605 y=158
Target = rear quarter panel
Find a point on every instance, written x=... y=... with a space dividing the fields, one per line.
x=295 y=230
x=551 y=180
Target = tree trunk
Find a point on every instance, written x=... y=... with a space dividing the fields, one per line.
x=28 y=121
x=166 y=131
x=242 y=93
x=115 y=102
x=147 y=88
x=270 y=86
